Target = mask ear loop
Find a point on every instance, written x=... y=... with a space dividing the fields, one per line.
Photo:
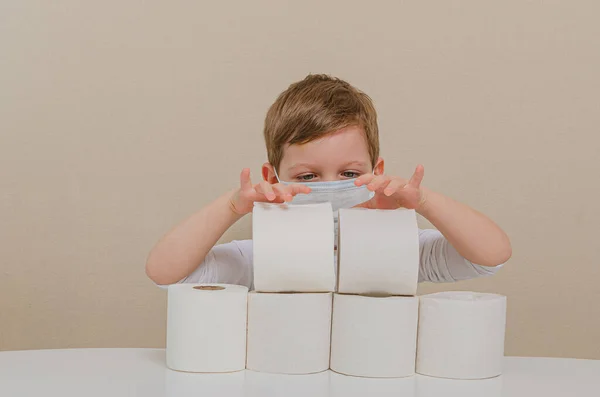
x=276 y=175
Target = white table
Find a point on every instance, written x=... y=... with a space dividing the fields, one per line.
x=142 y=372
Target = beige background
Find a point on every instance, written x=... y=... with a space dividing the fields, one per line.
x=119 y=118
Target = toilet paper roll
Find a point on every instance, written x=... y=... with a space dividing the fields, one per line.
x=378 y=251
x=206 y=327
x=461 y=335
x=293 y=248
x=289 y=333
x=374 y=336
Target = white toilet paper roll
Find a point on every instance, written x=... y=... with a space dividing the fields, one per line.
x=461 y=335
x=374 y=336
x=289 y=333
x=379 y=252
x=206 y=327
x=293 y=248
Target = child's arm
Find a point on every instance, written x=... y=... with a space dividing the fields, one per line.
x=181 y=250
x=476 y=237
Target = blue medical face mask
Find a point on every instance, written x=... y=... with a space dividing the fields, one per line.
x=341 y=194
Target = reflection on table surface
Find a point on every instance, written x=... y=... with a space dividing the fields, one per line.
x=142 y=372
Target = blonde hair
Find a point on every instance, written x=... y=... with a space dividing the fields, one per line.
x=314 y=107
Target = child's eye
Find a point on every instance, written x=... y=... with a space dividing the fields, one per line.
x=350 y=174
x=305 y=177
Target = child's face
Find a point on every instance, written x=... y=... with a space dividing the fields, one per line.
x=343 y=154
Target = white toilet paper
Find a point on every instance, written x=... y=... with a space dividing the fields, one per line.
x=293 y=248
x=289 y=333
x=461 y=335
x=379 y=252
x=206 y=327
x=374 y=336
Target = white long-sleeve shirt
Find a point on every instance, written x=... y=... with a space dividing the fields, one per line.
x=231 y=263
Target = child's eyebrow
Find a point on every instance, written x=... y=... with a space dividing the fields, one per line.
x=300 y=165
x=357 y=163
x=312 y=166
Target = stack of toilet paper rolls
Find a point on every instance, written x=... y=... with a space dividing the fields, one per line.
x=359 y=316
x=375 y=312
x=289 y=312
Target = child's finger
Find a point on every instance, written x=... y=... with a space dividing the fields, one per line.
x=283 y=191
x=417 y=178
x=394 y=186
x=298 y=188
x=379 y=182
x=245 y=181
x=364 y=179
x=367 y=204
x=266 y=189
x=295 y=189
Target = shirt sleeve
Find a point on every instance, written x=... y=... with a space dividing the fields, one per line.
x=229 y=263
x=440 y=262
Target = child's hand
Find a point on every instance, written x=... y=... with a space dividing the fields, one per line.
x=243 y=199
x=393 y=192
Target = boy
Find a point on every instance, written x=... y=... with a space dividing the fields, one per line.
x=319 y=133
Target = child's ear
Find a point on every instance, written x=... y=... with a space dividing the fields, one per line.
x=268 y=173
x=379 y=166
